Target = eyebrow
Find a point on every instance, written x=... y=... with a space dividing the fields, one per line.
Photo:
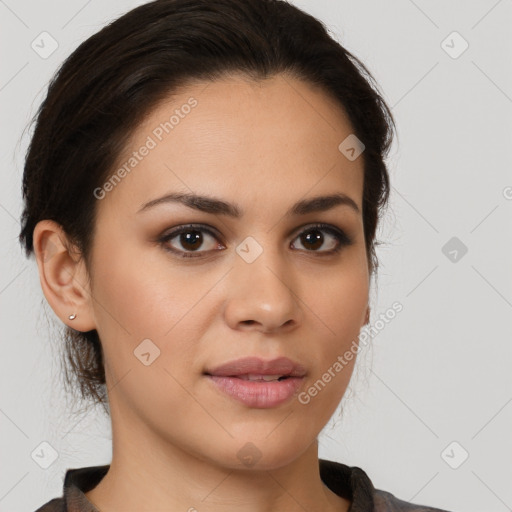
x=219 y=207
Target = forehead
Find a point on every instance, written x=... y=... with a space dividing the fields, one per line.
x=265 y=140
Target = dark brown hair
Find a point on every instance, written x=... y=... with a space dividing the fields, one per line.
x=106 y=87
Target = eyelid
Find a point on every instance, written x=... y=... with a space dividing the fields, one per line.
x=183 y=228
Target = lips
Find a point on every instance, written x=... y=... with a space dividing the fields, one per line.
x=260 y=394
x=257 y=383
x=254 y=368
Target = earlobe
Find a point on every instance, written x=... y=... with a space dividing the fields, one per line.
x=63 y=276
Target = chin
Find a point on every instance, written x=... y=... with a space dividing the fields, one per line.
x=257 y=455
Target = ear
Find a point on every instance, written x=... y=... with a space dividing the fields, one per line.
x=63 y=276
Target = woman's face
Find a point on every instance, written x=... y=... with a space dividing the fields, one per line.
x=263 y=283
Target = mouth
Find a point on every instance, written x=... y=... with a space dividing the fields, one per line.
x=258 y=383
x=256 y=378
x=253 y=377
x=254 y=368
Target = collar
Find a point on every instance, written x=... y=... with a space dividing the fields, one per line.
x=349 y=482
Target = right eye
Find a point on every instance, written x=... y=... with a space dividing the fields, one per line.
x=191 y=238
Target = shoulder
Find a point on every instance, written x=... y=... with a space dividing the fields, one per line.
x=353 y=483
x=55 y=505
x=77 y=481
x=387 y=502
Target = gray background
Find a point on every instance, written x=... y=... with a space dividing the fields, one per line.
x=440 y=371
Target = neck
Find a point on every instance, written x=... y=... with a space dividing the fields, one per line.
x=148 y=473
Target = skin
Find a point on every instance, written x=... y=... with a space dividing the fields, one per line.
x=264 y=146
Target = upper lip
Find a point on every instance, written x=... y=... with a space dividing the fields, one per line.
x=254 y=365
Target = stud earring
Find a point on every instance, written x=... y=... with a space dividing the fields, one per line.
x=72 y=317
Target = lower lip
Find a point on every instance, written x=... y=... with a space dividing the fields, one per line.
x=258 y=394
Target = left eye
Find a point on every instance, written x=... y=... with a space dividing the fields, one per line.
x=314 y=238
x=191 y=239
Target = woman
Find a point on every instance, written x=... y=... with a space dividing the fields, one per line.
x=202 y=192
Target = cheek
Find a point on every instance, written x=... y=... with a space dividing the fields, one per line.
x=137 y=293
x=340 y=299
x=147 y=323
x=153 y=301
x=338 y=310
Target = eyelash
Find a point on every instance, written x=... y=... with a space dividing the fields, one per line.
x=341 y=237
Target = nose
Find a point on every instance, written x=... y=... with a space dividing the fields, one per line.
x=261 y=295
